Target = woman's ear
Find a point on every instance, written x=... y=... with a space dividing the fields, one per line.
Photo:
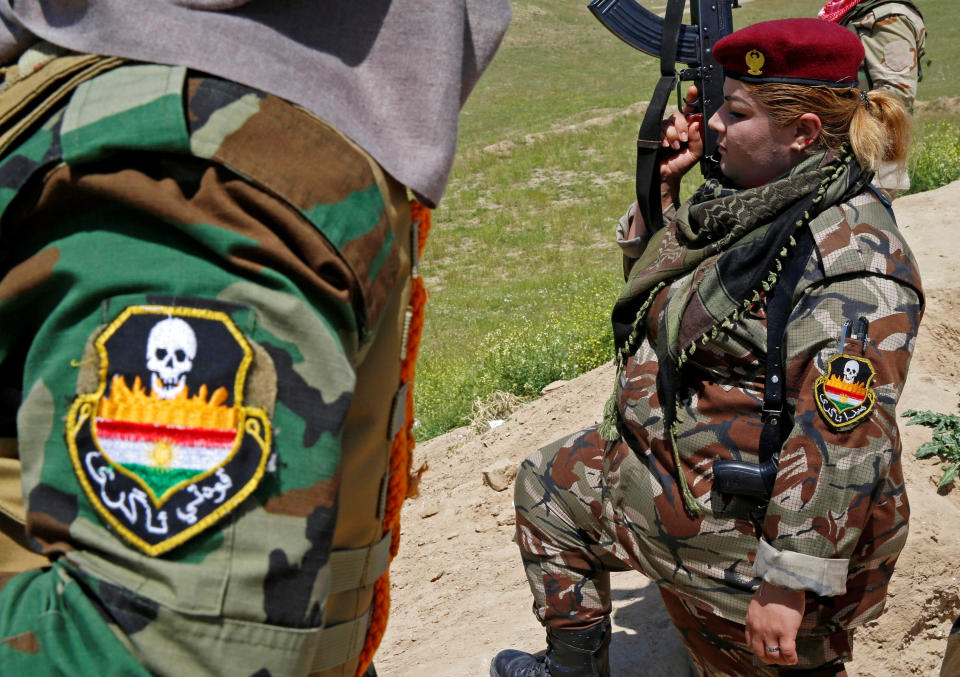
x=807 y=129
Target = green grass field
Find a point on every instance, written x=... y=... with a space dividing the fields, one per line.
x=521 y=265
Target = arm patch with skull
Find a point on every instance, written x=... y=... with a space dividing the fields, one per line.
x=843 y=394
x=165 y=446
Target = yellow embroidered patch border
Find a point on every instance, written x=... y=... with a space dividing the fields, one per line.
x=164 y=448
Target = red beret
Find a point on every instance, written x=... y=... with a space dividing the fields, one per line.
x=797 y=51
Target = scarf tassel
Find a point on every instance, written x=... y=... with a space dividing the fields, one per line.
x=608 y=427
x=690 y=502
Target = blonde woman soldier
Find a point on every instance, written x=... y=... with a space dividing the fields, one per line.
x=749 y=459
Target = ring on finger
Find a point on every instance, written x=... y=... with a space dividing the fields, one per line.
x=773 y=649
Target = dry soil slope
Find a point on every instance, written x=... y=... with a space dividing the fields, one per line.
x=458 y=590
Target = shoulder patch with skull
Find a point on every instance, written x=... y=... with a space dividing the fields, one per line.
x=843 y=394
x=165 y=446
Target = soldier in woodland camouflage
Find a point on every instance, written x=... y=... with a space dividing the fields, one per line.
x=205 y=286
x=755 y=585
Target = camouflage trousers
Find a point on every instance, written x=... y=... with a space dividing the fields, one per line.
x=951 y=657
x=203 y=291
x=569 y=503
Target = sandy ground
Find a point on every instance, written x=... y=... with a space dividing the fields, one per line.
x=459 y=594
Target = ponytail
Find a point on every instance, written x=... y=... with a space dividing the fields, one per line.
x=877 y=125
x=880 y=130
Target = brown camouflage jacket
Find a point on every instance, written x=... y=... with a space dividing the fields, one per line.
x=837 y=517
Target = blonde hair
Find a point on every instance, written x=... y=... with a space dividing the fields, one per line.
x=878 y=129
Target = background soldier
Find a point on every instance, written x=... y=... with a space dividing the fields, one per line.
x=206 y=285
x=894 y=39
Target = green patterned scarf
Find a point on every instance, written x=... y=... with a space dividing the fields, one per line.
x=736 y=240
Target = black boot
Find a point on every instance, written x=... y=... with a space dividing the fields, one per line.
x=570 y=653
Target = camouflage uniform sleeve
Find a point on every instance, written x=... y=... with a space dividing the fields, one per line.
x=632 y=234
x=892 y=37
x=839 y=493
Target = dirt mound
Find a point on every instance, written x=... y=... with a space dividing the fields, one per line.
x=459 y=594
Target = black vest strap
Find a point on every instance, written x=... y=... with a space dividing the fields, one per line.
x=757 y=481
x=776 y=425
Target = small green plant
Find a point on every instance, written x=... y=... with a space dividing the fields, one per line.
x=559 y=345
x=935 y=160
x=945 y=442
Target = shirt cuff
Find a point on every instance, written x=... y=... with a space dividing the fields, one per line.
x=631 y=233
x=796 y=571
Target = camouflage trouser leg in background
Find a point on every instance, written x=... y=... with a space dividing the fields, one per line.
x=566 y=544
x=567 y=497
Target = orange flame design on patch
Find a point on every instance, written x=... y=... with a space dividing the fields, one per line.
x=133 y=404
x=854 y=388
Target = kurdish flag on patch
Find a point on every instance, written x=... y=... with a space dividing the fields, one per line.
x=165 y=442
x=844 y=395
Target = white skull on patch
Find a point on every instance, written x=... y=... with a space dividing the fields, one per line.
x=850 y=371
x=171 y=349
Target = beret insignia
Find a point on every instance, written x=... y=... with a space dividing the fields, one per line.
x=843 y=394
x=754 y=59
x=800 y=50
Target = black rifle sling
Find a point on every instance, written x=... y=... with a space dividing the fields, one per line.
x=779 y=305
x=648 y=138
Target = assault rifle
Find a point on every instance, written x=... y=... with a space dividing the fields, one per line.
x=673 y=41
